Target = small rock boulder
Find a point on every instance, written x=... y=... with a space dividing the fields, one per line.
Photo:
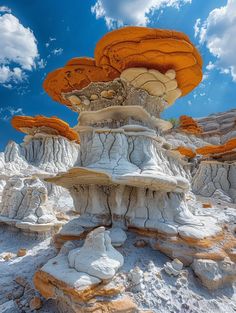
x=174 y=267
x=97 y=257
x=35 y=303
x=118 y=236
x=21 y=252
x=214 y=274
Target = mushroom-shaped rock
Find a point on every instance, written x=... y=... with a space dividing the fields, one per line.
x=164 y=50
x=42 y=124
x=172 y=65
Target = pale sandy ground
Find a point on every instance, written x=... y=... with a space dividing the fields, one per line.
x=161 y=293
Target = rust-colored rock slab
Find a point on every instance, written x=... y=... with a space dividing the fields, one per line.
x=162 y=50
x=189 y=125
x=188 y=152
x=152 y=48
x=84 y=299
x=75 y=75
x=27 y=123
x=230 y=145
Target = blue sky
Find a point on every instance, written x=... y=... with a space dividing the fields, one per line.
x=39 y=36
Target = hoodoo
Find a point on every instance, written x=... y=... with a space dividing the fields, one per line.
x=127 y=176
x=50 y=146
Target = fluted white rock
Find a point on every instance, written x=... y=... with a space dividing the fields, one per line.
x=24 y=204
x=216 y=179
x=97 y=257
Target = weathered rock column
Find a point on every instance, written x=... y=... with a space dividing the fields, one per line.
x=128 y=175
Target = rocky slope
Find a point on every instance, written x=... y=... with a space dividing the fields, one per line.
x=28 y=202
x=210 y=143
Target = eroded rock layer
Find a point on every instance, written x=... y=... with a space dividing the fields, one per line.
x=24 y=205
x=212 y=150
x=43 y=124
x=163 y=51
x=218 y=128
x=23 y=167
x=216 y=179
x=189 y=125
x=136 y=181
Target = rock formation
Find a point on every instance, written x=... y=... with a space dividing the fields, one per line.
x=211 y=144
x=189 y=125
x=216 y=179
x=218 y=128
x=24 y=205
x=127 y=175
x=215 y=273
x=125 y=163
x=83 y=274
x=50 y=146
x=174 y=51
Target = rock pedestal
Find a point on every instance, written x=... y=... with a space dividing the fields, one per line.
x=127 y=176
x=28 y=202
x=77 y=277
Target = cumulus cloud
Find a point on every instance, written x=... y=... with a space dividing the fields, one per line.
x=218 y=33
x=133 y=12
x=18 y=49
x=15 y=74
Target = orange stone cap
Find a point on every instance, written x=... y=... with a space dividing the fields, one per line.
x=217 y=149
x=22 y=123
x=189 y=125
x=75 y=75
x=188 y=152
x=129 y=47
x=153 y=48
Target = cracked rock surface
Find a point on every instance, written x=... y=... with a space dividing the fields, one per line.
x=97 y=257
x=24 y=204
x=26 y=198
x=216 y=179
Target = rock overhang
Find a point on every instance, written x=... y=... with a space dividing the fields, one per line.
x=130 y=47
x=32 y=125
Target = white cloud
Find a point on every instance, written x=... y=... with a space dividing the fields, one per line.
x=18 y=50
x=205 y=76
x=57 y=51
x=218 y=33
x=47 y=44
x=7 y=113
x=197 y=27
x=42 y=63
x=15 y=74
x=210 y=66
x=4 y=9
x=133 y=12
